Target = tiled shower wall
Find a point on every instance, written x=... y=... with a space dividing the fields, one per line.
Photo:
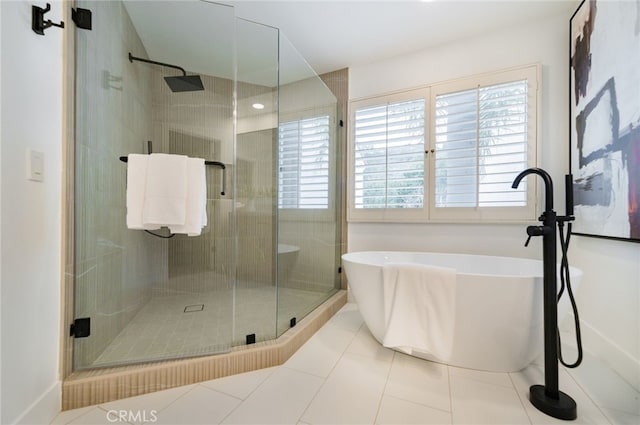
x=115 y=268
x=256 y=216
x=199 y=124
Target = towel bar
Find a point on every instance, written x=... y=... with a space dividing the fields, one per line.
x=214 y=163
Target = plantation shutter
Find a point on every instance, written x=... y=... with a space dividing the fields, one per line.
x=481 y=145
x=303 y=153
x=389 y=155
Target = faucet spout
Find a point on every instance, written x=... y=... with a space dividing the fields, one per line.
x=548 y=184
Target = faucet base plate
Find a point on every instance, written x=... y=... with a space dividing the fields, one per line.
x=563 y=407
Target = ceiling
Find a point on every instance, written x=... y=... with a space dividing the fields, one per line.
x=332 y=35
x=329 y=35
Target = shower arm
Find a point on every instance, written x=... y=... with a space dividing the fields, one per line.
x=134 y=58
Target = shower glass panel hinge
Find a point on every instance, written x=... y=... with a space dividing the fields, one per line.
x=339 y=270
x=251 y=339
x=82 y=18
x=80 y=328
x=292 y=322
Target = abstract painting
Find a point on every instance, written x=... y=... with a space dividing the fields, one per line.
x=605 y=118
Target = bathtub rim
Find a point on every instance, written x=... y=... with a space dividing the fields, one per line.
x=574 y=271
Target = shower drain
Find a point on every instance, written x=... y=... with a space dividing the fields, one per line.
x=193 y=308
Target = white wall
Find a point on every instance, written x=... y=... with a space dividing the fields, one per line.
x=609 y=297
x=31 y=216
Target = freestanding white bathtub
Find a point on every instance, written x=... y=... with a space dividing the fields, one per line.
x=498 y=305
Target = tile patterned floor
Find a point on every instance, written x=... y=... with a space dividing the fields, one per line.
x=163 y=330
x=343 y=376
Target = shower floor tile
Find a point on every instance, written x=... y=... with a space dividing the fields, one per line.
x=194 y=324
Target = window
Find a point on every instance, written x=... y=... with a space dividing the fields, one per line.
x=303 y=150
x=448 y=152
x=389 y=155
x=481 y=141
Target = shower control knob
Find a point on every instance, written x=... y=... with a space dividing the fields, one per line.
x=526 y=244
x=536 y=231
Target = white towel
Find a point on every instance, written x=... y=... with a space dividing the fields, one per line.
x=196 y=202
x=136 y=185
x=166 y=190
x=419 y=308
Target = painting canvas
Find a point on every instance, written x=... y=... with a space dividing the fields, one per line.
x=605 y=118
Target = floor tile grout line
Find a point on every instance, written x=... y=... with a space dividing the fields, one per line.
x=417 y=403
x=328 y=375
x=107 y=411
x=178 y=398
x=304 y=372
x=396 y=353
x=384 y=389
x=450 y=393
x=619 y=411
x=586 y=393
x=67 y=422
x=522 y=402
x=250 y=393
x=299 y=419
x=219 y=392
x=475 y=379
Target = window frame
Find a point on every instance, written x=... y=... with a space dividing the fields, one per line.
x=430 y=213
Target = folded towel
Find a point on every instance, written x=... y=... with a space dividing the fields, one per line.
x=136 y=185
x=166 y=190
x=419 y=308
x=196 y=202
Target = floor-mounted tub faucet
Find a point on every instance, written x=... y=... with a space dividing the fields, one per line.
x=548 y=398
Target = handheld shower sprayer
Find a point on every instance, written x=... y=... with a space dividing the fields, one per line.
x=548 y=398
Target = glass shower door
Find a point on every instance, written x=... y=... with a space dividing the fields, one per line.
x=309 y=222
x=256 y=187
x=148 y=297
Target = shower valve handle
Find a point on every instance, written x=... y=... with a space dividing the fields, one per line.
x=526 y=244
x=537 y=231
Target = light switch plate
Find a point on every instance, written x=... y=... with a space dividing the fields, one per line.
x=35 y=165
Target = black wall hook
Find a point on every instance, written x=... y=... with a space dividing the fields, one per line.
x=38 y=24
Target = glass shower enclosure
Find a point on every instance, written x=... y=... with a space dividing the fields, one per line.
x=270 y=251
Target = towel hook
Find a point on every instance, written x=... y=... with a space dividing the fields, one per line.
x=38 y=24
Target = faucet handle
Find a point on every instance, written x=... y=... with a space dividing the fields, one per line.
x=537 y=231
x=526 y=244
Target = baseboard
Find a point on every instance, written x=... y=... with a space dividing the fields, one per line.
x=45 y=408
x=607 y=351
